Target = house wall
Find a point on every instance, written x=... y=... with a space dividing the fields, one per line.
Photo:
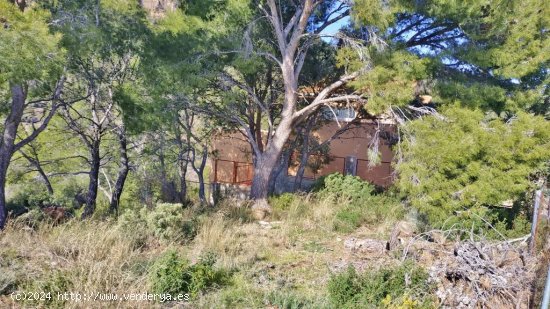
x=232 y=161
x=355 y=142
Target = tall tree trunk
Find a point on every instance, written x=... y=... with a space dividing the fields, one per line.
x=288 y=39
x=200 y=172
x=284 y=160
x=266 y=162
x=183 y=164
x=305 y=153
x=282 y=165
x=122 y=172
x=95 y=164
x=183 y=159
x=303 y=164
x=168 y=188
x=11 y=124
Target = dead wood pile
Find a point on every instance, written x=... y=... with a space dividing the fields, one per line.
x=475 y=273
x=471 y=273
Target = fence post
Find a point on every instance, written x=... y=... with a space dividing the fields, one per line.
x=546 y=298
x=538 y=196
x=216 y=170
x=234 y=172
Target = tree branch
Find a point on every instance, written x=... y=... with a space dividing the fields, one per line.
x=46 y=121
x=319 y=100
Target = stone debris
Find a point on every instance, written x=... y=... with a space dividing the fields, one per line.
x=401 y=233
x=269 y=225
x=365 y=245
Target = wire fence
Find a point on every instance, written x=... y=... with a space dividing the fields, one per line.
x=241 y=173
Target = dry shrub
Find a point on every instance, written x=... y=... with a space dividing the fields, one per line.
x=234 y=244
x=79 y=256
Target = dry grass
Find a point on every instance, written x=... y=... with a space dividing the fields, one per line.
x=77 y=256
x=292 y=253
x=233 y=243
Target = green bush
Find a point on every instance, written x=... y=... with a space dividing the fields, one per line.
x=66 y=191
x=348 y=219
x=31 y=219
x=168 y=274
x=344 y=188
x=173 y=275
x=371 y=210
x=167 y=222
x=133 y=222
x=372 y=290
x=282 y=202
x=357 y=202
x=472 y=161
x=31 y=195
x=53 y=284
x=241 y=294
x=492 y=223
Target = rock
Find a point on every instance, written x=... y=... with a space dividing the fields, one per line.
x=365 y=245
x=420 y=245
x=402 y=231
x=265 y=224
x=405 y=228
x=259 y=213
x=425 y=99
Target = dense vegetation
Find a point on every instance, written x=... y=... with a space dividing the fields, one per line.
x=109 y=109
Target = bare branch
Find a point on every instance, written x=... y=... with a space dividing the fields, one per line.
x=319 y=100
x=46 y=121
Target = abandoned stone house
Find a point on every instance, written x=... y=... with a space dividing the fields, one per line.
x=347 y=153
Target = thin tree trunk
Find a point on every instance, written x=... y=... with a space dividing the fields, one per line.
x=34 y=161
x=183 y=161
x=122 y=173
x=183 y=164
x=11 y=124
x=305 y=154
x=202 y=190
x=95 y=164
x=200 y=174
x=303 y=164
x=168 y=188
x=22 y=4
x=46 y=180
